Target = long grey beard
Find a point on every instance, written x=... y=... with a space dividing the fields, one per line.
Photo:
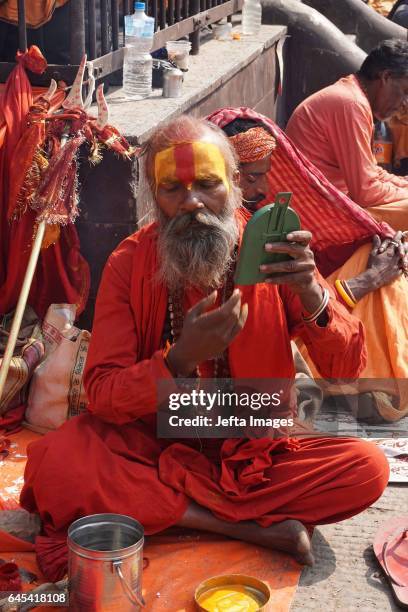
x=196 y=249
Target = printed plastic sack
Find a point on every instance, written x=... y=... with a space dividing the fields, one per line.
x=56 y=390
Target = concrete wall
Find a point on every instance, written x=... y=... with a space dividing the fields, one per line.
x=317 y=52
x=255 y=86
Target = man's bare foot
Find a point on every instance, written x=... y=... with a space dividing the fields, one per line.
x=289 y=536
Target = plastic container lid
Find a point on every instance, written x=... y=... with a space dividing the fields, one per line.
x=140 y=6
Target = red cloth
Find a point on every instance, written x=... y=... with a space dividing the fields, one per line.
x=339 y=226
x=112 y=461
x=10 y=579
x=62 y=274
x=12 y=420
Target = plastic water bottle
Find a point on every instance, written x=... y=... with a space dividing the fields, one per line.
x=251 y=17
x=138 y=64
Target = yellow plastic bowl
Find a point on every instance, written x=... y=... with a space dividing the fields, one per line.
x=256 y=587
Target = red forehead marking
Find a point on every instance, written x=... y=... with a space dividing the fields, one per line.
x=184 y=160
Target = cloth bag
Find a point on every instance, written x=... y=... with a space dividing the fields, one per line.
x=56 y=390
x=28 y=352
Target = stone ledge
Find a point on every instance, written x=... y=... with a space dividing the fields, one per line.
x=217 y=63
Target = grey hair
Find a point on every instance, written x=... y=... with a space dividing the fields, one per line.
x=146 y=207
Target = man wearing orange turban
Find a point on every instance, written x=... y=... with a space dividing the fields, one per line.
x=369 y=281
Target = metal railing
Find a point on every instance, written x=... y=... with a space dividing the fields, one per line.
x=103 y=39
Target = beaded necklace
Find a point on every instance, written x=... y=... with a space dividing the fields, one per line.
x=176 y=319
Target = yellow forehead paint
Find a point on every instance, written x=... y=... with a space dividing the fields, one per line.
x=188 y=162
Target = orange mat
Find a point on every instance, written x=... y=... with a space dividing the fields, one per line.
x=12 y=468
x=178 y=564
x=177 y=561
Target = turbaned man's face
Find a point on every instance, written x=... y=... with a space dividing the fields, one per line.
x=254 y=182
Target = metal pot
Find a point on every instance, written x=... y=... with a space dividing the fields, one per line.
x=105 y=562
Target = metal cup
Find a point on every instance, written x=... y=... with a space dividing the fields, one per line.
x=172 y=83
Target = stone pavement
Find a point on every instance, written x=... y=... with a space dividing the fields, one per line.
x=346 y=576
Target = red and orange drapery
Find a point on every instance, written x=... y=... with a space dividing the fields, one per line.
x=62 y=274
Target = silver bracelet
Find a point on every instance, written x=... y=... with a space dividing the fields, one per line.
x=319 y=310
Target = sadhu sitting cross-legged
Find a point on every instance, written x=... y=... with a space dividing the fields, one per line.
x=266 y=491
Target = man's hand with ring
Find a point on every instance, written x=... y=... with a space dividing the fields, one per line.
x=400 y=244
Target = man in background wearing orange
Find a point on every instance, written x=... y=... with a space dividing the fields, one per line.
x=334 y=128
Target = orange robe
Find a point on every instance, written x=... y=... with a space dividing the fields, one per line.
x=334 y=128
x=384 y=314
x=112 y=461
